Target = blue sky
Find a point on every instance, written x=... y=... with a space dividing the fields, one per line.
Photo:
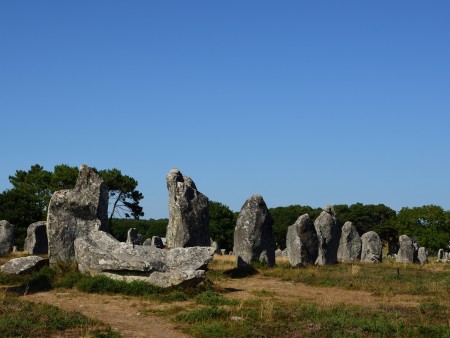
x=304 y=102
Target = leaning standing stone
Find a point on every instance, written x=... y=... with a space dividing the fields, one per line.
x=371 y=249
x=74 y=213
x=253 y=235
x=36 y=242
x=349 y=244
x=406 y=251
x=301 y=242
x=328 y=234
x=188 y=213
x=6 y=237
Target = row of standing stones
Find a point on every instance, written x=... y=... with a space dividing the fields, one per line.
x=77 y=231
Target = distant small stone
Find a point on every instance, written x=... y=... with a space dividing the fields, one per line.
x=223 y=251
x=134 y=237
x=371 y=247
x=278 y=253
x=349 y=244
x=406 y=251
x=36 y=242
x=422 y=255
x=440 y=256
x=6 y=237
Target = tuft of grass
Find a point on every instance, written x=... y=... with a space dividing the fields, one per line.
x=263 y=293
x=214 y=299
x=203 y=315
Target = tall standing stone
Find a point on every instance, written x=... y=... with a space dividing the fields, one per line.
x=371 y=249
x=349 y=244
x=188 y=213
x=74 y=213
x=36 y=242
x=253 y=235
x=302 y=242
x=328 y=234
x=406 y=251
x=6 y=237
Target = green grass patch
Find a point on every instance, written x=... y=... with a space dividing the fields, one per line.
x=212 y=298
x=25 y=319
x=202 y=315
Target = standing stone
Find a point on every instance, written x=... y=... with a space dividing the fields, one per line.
x=6 y=237
x=406 y=251
x=134 y=237
x=371 y=249
x=422 y=255
x=278 y=253
x=302 y=242
x=188 y=213
x=223 y=252
x=74 y=213
x=328 y=234
x=349 y=244
x=36 y=242
x=253 y=235
x=440 y=256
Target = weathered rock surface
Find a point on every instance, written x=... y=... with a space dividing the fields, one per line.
x=36 y=242
x=24 y=265
x=6 y=237
x=253 y=234
x=328 y=234
x=422 y=255
x=134 y=237
x=350 y=244
x=75 y=212
x=406 y=252
x=302 y=242
x=100 y=253
x=371 y=249
x=188 y=213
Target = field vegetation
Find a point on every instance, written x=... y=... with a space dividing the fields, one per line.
x=357 y=300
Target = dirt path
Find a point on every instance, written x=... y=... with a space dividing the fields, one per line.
x=327 y=296
x=128 y=315
x=122 y=313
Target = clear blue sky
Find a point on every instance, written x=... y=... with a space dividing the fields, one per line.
x=304 y=102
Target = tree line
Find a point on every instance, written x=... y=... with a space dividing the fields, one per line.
x=26 y=202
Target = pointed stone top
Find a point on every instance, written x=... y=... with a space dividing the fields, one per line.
x=329 y=209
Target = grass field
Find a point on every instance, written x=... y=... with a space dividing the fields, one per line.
x=343 y=300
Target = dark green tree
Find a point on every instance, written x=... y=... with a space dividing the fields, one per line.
x=283 y=217
x=221 y=224
x=123 y=196
x=429 y=225
x=27 y=201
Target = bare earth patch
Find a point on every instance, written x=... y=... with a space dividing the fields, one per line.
x=323 y=296
x=122 y=313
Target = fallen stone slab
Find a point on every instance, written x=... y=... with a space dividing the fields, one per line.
x=100 y=253
x=24 y=265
